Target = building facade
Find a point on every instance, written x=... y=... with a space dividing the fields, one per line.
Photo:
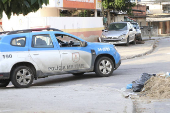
x=88 y=28
x=158 y=15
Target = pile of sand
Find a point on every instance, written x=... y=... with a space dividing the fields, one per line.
x=157 y=87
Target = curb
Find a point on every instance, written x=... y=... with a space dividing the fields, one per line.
x=142 y=54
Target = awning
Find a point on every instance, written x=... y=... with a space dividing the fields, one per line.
x=157 y=19
x=131 y=19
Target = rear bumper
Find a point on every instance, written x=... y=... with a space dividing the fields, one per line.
x=118 y=64
x=138 y=35
x=4 y=75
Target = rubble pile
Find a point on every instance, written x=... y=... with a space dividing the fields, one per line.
x=157 y=87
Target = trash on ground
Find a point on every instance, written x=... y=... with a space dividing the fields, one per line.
x=138 y=84
x=129 y=86
x=153 y=86
x=140 y=42
x=157 y=87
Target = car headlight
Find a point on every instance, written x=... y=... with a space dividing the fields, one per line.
x=115 y=47
x=122 y=36
x=103 y=36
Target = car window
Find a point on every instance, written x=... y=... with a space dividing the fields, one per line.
x=42 y=41
x=20 y=42
x=117 y=26
x=67 y=41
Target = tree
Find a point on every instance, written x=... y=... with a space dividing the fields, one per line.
x=116 y=5
x=20 y=6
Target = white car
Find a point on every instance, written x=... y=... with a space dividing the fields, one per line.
x=119 y=33
x=138 y=30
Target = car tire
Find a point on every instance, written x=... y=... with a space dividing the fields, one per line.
x=4 y=83
x=22 y=77
x=78 y=74
x=127 y=43
x=134 y=41
x=104 y=67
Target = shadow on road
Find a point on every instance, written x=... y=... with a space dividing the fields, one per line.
x=64 y=78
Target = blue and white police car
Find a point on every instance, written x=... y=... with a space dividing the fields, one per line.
x=26 y=55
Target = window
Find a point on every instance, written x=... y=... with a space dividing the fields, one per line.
x=18 y=42
x=118 y=26
x=67 y=41
x=42 y=41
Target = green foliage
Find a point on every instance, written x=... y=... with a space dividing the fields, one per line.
x=119 y=5
x=20 y=6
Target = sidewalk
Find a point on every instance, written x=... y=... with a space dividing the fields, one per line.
x=132 y=51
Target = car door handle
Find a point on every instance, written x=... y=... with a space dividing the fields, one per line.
x=35 y=54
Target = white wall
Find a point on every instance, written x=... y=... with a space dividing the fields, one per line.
x=75 y=22
x=155 y=9
x=21 y=22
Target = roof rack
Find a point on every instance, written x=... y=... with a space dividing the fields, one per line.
x=31 y=30
x=4 y=32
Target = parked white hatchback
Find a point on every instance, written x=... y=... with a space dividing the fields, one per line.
x=119 y=33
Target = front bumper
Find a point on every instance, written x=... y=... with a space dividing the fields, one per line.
x=118 y=64
x=4 y=75
x=114 y=41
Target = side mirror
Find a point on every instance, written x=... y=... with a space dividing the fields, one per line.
x=84 y=44
x=130 y=30
x=102 y=30
x=135 y=27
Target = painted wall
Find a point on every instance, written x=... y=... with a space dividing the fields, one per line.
x=155 y=9
x=118 y=18
x=145 y=32
x=88 y=28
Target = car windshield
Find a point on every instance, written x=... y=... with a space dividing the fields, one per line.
x=118 y=26
x=135 y=25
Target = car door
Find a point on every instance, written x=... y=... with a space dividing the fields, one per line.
x=73 y=56
x=45 y=53
x=133 y=32
x=130 y=32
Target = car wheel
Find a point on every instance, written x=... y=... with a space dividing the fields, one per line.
x=4 y=83
x=104 y=67
x=78 y=74
x=127 y=43
x=22 y=77
x=134 y=41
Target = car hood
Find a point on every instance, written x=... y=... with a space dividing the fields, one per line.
x=115 y=33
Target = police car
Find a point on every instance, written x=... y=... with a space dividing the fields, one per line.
x=26 y=55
